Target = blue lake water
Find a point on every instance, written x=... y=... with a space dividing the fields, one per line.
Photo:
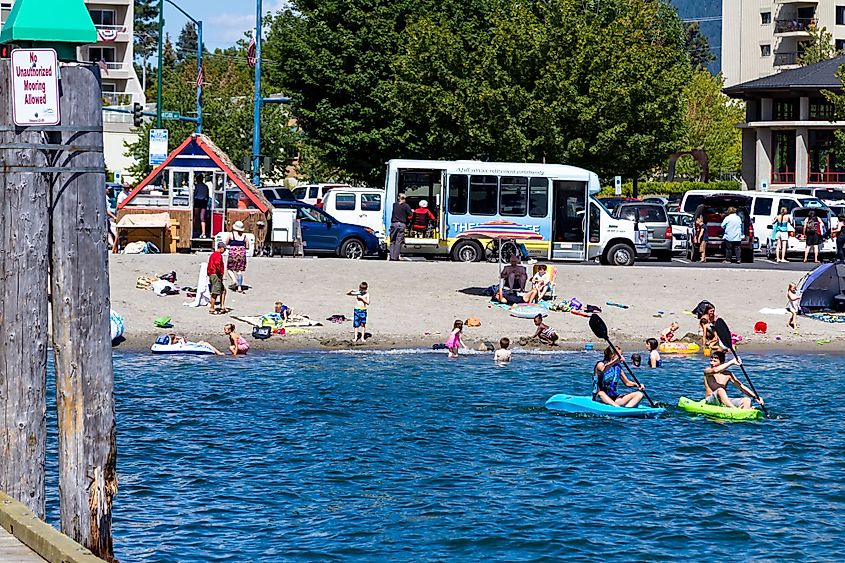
x=408 y=457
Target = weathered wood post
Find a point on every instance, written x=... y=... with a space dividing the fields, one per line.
x=81 y=329
x=23 y=310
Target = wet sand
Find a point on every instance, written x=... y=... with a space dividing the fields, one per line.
x=414 y=304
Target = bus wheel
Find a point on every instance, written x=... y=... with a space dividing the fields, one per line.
x=467 y=251
x=621 y=255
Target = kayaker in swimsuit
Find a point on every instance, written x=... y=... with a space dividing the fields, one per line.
x=607 y=374
x=716 y=379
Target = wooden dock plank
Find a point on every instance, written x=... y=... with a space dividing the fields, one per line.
x=13 y=551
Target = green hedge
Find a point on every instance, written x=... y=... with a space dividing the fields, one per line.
x=669 y=188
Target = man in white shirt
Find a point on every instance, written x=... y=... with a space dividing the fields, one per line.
x=732 y=226
x=124 y=193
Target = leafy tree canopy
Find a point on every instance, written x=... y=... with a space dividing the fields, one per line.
x=598 y=86
x=819 y=47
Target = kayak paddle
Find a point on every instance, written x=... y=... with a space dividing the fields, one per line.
x=600 y=330
x=724 y=334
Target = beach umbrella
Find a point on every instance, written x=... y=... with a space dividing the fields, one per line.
x=500 y=230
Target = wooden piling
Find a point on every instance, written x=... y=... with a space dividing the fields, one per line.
x=23 y=310
x=81 y=330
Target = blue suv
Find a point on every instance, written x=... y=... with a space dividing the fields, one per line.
x=323 y=234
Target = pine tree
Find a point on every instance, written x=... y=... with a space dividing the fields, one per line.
x=186 y=44
x=698 y=46
x=146 y=34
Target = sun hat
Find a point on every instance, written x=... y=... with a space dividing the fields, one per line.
x=238 y=226
x=423 y=203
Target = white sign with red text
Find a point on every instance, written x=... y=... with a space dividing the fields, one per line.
x=35 y=87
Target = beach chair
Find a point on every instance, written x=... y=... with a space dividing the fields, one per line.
x=203 y=294
x=552 y=270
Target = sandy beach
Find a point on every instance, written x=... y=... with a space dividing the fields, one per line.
x=415 y=303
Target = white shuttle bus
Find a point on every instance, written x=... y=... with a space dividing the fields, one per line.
x=554 y=200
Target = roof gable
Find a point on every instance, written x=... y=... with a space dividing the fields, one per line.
x=818 y=76
x=200 y=151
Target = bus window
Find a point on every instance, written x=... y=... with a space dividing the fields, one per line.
x=458 y=192
x=483 y=195
x=513 y=196
x=538 y=197
x=595 y=223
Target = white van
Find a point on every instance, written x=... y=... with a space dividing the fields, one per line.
x=315 y=193
x=357 y=206
x=765 y=206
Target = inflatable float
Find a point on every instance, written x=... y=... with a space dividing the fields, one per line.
x=163 y=345
x=679 y=348
x=117 y=326
x=527 y=311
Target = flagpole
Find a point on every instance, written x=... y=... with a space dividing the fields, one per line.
x=256 y=117
x=200 y=77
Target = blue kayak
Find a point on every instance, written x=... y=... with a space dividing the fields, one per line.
x=586 y=405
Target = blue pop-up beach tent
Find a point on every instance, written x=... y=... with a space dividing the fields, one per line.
x=823 y=289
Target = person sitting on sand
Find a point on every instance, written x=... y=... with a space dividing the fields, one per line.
x=503 y=355
x=668 y=335
x=512 y=281
x=545 y=333
x=278 y=318
x=606 y=376
x=716 y=379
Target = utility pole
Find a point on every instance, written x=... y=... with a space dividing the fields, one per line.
x=160 y=57
x=256 y=116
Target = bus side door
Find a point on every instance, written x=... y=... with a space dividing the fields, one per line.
x=569 y=204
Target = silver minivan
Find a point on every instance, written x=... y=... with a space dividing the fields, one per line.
x=653 y=216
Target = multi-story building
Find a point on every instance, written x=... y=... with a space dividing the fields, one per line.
x=763 y=37
x=789 y=134
x=114 y=53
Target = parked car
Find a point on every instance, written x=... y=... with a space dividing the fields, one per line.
x=612 y=202
x=314 y=194
x=714 y=209
x=681 y=231
x=653 y=217
x=323 y=234
x=831 y=196
x=281 y=193
x=660 y=200
x=797 y=243
x=357 y=206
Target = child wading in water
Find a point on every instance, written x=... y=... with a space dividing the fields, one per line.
x=793 y=302
x=238 y=346
x=503 y=355
x=654 y=360
x=359 y=317
x=453 y=343
x=545 y=333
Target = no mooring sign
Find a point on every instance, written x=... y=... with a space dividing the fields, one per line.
x=35 y=87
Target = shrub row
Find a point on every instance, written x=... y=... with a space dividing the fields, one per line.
x=669 y=188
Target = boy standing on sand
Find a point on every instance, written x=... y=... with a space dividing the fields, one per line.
x=716 y=379
x=362 y=302
x=215 y=271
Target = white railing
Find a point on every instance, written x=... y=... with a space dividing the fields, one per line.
x=116 y=66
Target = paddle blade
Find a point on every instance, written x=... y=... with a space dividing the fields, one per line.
x=724 y=333
x=598 y=327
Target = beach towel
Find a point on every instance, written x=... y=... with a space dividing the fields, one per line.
x=827 y=317
x=768 y=311
x=293 y=321
x=203 y=296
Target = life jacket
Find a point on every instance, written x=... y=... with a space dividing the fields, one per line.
x=606 y=381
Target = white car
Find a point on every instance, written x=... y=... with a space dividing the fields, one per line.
x=681 y=231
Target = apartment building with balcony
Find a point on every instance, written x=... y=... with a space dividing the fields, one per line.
x=788 y=138
x=113 y=52
x=762 y=37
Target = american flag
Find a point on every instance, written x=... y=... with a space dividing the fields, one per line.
x=250 y=52
x=200 y=77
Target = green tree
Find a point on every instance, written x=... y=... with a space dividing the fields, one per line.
x=375 y=79
x=227 y=112
x=186 y=44
x=698 y=46
x=710 y=123
x=146 y=28
x=818 y=48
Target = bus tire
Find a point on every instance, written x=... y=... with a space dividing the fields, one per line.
x=621 y=255
x=467 y=251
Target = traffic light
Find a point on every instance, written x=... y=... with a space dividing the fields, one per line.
x=137 y=113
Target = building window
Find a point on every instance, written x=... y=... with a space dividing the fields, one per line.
x=821 y=110
x=840 y=15
x=102 y=17
x=765 y=18
x=765 y=50
x=97 y=54
x=783 y=161
x=785 y=110
x=825 y=167
x=840 y=45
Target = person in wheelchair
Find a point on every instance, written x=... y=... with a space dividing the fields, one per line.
x=422 y=221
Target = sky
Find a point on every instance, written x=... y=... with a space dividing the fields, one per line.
x=223 y=21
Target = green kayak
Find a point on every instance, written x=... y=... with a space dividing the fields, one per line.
x=714 y=411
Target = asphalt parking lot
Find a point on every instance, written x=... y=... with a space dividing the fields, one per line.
x=760 y=263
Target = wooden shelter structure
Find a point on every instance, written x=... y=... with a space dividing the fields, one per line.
x=161 y=206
